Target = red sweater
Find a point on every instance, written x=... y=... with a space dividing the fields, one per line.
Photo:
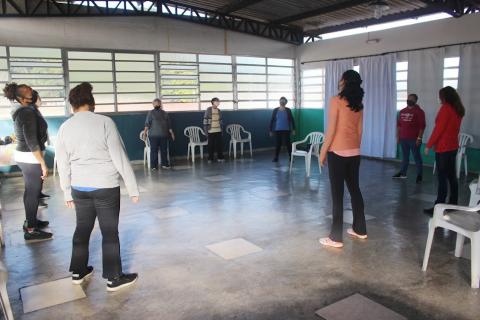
x=447 y=127
x=410 y=121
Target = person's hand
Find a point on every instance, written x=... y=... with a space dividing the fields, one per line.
x=426 y=151
x=70 y=204
x=135 y=199
x=173 y=136
x=44 y=171
x=271 y=134
x=419 y=142
x=323 y=158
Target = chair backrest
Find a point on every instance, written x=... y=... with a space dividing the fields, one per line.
x=235 y=131
x=144 y=137
x=193 y=133
x=315 y=139
x=464 y=140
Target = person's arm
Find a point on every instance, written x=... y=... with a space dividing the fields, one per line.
x=292 y=120
x=360 y=126
x=30 y=132
x=398 y=128
x=205 y=121
x=272 y=120
x=332 y=127
x=422 y=125
x=169 y=124
x=64 y=170
x=120 y=160
x=440 y=126
x=148 y=122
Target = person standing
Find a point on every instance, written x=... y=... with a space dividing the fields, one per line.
x=410 y=128
x=31 y=133
x=91 y=158
x=445 y=139
x=342 y=148
x=282 y=125
x=213 y=125
x=158 y=130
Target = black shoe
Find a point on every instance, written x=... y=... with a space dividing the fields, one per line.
x=419 y=179
x=221 y=159
x=121 y=282
x=275 y=160
x=428 y=212
x=399 y=176
x=44 y=196
x=40 y=225
x=166 y=167
x=78 y=278
x=42 y=204
x=37 y=235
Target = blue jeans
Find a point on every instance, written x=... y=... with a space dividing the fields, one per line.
x=407 y=146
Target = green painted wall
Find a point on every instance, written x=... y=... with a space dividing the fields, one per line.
x=309 y=120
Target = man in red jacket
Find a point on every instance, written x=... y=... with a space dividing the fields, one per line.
x=410 y=128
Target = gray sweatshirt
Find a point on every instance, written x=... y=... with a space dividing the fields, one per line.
x=90 y=153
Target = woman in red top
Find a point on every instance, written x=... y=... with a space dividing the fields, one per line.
x=445 y=139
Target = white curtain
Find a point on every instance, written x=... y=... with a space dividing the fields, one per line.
x=425 y=78
x=469 y=89
x=333 y=74
x=379 y=115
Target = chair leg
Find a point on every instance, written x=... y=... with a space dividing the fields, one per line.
x=434 y=167
x=148 y=159
x=459 y=245
x=241 y=148
x=54 y=166
x=458 y=164
x=291 y=163
x=7 y=309
x=193 y=153
x=201 y=152
x=428 y=248
x=475 y=254
x=188 y=153
x=466 y=166
x=319 y=165
x=234 y=150
x=251 y=152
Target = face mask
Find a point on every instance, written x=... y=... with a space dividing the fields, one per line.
x=410 y=103
x=157 y=107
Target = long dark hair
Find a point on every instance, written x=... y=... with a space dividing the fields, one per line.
x=450 y=96
x=12 y=91
x=352 y=90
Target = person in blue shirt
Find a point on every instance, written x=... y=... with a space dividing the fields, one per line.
x=282 y=125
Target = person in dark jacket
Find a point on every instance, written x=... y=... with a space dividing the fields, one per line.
x=31 y=133
x=158 y=128
x=282 y=125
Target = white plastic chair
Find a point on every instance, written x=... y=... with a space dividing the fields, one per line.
x=474 y=192
x=146 y=149
x=193 y=134
x=465 y=221
x=4 y=300
x=463 y=141
x=315 y=139
x=235 y=131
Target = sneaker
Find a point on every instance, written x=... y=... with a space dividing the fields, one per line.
x=399 y=176
x=154 y=169
x=419 y=179
x=210 y=160
x=42 y=204
x=121 y=282
x=221 y=160
x=40 y=225
x=166 y=167
x=44 y=196
x=80 y=278
x=37 y=235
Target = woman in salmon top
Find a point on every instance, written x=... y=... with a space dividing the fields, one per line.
x=342 y=148
x=445 y=139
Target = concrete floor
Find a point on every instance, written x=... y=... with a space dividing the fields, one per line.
x=284 y=215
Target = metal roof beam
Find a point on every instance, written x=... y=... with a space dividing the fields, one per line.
x=236 y=5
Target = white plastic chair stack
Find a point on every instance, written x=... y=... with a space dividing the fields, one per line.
x=235 y=131
x=463 y=141
x=314 y=139
x=474 y=192
x=146 y=150
x=193 y=134
x=465 y=221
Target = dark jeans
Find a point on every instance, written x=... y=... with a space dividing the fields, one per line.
x=345 y=169
x=407 y=146
x=32 y=174
x=446 y=163
x=156 y=144
x=215 y=143
x=104 y=204
x=282 y=138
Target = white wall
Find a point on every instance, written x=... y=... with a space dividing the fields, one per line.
x=428 y=34
x=136 y=33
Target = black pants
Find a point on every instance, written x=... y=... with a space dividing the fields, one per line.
x=32 y=175
x=215 y=143
x=345 y=169
x=104 y=204
x=156 y=144
x=446 y=165
x=282 y=138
